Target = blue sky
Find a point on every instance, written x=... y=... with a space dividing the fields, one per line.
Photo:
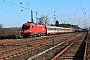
x=75 y=12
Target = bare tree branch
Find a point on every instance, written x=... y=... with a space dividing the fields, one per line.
x=43 y=20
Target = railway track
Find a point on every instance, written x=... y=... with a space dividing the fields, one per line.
x=74 y=51
x=87 y=51
x=6 y=44
x=60 y=52
x=22 y=49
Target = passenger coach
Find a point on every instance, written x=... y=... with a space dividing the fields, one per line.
x=55 y=30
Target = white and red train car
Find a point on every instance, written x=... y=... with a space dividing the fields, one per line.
x=31 y=29
x=55 y=30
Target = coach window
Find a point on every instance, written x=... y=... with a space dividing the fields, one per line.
x=57 y=29
x=54 y=28
x=47 y=28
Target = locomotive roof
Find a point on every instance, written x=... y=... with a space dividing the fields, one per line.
x=30 y=23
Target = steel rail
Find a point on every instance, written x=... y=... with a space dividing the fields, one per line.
x=65 y=49
x=85 y=55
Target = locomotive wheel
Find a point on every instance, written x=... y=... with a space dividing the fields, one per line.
x=24 y=36
x=38 y=35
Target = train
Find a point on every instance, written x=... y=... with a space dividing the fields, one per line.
x=32 y=29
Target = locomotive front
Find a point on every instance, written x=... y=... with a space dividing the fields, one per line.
x=26 y=30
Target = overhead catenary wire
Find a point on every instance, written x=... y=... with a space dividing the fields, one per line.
x=84 y=13
x=15 y=4
x=53 y=6
x=12 y=3
x=57 y=9
x=83 y=9
x=12 y=11
x=12 y=17
x=80 y=10
x=69 y=16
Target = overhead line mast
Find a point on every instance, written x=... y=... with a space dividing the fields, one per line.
x=31 y=16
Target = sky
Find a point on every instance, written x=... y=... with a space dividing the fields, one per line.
x=76 y=12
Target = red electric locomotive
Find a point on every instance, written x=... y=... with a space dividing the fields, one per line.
x=31 y=29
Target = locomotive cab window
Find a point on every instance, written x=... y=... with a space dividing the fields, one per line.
x=32 y=26
x=25 y=27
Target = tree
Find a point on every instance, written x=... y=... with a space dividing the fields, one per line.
x=1 y=26
x=43 y=20
x=57 y=23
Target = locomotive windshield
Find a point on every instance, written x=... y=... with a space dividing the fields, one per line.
x=25 y=27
